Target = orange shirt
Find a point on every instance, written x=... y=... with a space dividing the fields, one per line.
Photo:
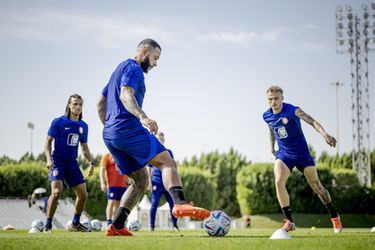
x=114 y=179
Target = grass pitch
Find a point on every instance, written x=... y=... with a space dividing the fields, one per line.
x=193 y=239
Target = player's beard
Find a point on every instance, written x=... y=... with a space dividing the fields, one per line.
x=145 y=64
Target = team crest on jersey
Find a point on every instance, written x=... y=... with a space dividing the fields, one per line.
x=55 y=172
x=284 y=120
x=80 y=130
x=281 y=132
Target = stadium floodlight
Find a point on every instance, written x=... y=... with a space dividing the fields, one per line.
x=30 y=126
x=355 y=34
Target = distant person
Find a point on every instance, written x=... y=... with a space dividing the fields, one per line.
x=284 y=121
x=38 y=196
x=67 y=132
x=131 y=144
x=113 y=184
x=158 y=190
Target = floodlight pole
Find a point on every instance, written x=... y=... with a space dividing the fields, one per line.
x=337 y=85
x=31 y=127
x=355 y=33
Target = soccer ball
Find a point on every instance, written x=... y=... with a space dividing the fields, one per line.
x=96 y=225
x=38 y=225
x=86 y=223
x=217 y=224
x=68 y=224
x=134 y=225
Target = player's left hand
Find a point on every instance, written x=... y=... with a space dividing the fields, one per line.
x=91 y=171
x=330 y=140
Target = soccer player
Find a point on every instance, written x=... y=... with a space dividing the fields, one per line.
x=284 y=122
x=111 y=183
x=131 y=144
x=67 y=132
x=158 y=190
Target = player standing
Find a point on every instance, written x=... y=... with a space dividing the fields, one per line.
x=285 y=127
x=112 y=183
x=131 y=144
x=67 y=132
x=158 y=190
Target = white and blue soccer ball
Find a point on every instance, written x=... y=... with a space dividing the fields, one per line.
x=217 y=224
x=134 y=225
x=36 y=226
x=86 y=223
x=96 y=225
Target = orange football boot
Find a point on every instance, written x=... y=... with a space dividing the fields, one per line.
x=112 y=231
x=188 y=210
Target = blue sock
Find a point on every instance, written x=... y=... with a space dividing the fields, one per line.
x=76 y=219
x=109 y=222
x=49 y=222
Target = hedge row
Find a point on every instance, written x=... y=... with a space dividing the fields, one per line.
x=256 y=191
x=20 y=180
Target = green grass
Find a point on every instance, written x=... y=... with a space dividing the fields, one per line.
x=236 y=239
x=309 y=220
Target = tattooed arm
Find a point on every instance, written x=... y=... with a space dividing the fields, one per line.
x=272 y=141
x=130 y=103
x=102 y=106
x=319 y=128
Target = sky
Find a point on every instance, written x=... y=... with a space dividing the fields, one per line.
x=208 y=91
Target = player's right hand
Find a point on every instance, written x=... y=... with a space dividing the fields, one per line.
x=150 y=124
x=104 y=188
x=49 y=163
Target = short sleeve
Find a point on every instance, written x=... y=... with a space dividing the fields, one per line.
x=85 y=133
x=54 y=128
x=170 y=153
x=131 y=77
x=104 y=161
x=292 y=110
x=105 y=91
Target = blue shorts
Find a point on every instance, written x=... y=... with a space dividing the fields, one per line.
x=115 y=193
x=133 y=149
x=66 y=171
x=300 y=162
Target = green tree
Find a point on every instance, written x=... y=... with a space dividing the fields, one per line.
x=6 y=160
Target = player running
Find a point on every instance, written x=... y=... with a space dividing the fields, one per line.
x=112 y=183
x=131 y=144
x=158 y=190
x=285 y=127
x=67 y=132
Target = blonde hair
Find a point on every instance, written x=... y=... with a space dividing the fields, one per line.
x=275 y=88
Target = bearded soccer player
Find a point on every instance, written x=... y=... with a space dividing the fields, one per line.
x=129 y=135
x=67 y=132
x=284 y=121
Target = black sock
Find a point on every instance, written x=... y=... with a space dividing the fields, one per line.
x=287 y=213
x=121 y=215
x=331 y=210
x=177 y=194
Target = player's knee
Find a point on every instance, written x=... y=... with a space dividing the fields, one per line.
x=82 y=195
x=143 y=186
x=279 y=182
x=56 y=194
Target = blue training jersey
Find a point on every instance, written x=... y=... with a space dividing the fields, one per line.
x=156 y=173
x=118 y=120
x=286 y=127
x=67 y=135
